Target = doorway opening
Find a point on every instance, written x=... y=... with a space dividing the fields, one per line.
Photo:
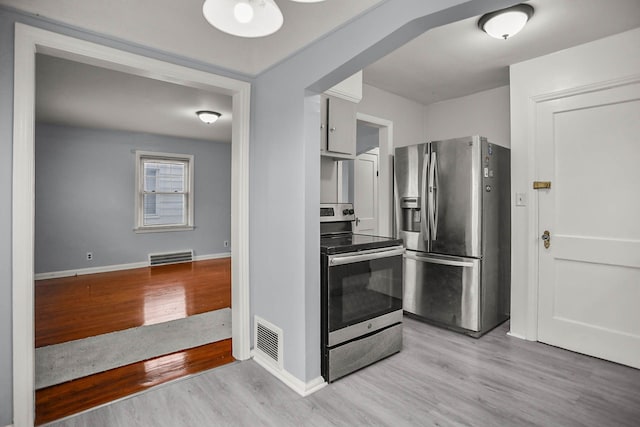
x=28 y=42
x=105 y=307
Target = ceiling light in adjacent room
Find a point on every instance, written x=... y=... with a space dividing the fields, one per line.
x=244 y=18
x=208 y=117
x=505 y=23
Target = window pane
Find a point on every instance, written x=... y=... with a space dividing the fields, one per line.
x=164 y=209
x=164 y=176
x=150 y=205
x=150 y=178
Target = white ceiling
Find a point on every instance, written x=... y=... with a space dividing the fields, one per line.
x=444 y=63
x=179 y=26
x=75 y=94
x=459 y=59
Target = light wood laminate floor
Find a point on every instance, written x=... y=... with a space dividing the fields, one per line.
x=439 y=379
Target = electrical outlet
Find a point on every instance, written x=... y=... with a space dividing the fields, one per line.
x=89 y=256
x=226 y=243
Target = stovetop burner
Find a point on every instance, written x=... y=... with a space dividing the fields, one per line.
x=336 y=231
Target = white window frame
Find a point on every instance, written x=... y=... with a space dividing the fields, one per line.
x=139 y=191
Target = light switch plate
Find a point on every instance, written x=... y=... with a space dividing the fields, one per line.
x=521 y=199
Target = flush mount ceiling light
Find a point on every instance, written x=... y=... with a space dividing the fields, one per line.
x=244 y=18
x=208 y=117
x=505 y=23
x=307 y=1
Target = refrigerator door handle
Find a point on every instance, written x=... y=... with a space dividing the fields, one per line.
x=424 y=217
x=436 y=205
x=433 y=199
x=441 y=261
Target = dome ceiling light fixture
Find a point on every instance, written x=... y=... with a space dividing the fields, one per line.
x=505 y=23
x=208 y=117
x=244 y=18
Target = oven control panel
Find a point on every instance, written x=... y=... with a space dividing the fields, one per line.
x=333 y=212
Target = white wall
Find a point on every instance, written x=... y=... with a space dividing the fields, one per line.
x=328 y=180
x=611 y=59
x=407 y=115
x=483 y=113
x=407 y=118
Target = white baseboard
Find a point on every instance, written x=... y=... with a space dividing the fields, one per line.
x=511 y=334
x=212 y=256
x=297 y=385
x=117 y=267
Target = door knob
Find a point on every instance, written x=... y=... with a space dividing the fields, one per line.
x=546 y=238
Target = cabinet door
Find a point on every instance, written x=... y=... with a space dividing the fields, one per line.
x=342 y=126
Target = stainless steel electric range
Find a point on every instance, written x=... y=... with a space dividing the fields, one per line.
x=361 y=294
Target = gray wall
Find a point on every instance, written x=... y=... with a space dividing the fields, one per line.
x=85 y=192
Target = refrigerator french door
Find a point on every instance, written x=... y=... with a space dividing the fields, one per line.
x=452 y=212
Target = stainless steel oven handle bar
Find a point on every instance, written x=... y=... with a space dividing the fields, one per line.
x=369 y=255
x=452 y=263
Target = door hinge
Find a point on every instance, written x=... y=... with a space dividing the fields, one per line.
x=541 y=185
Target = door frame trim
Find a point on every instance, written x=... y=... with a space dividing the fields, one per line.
x=533 y=285
x=385 y=166
x=28 y=42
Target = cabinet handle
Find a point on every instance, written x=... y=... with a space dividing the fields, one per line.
x=322 y=126
x=332 y=129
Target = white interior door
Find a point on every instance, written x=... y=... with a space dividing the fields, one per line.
x=365 y=203
x=588 y=145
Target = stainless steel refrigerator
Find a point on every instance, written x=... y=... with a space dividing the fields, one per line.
x=452 y=210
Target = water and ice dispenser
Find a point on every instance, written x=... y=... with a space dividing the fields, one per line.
x=411 y=216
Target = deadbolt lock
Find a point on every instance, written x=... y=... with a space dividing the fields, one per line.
x=546 y=238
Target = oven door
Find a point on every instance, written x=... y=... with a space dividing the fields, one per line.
x=364 y=292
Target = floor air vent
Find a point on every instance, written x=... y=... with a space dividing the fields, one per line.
x=268 y=342
x=170 y=258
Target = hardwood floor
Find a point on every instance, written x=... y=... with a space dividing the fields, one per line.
x=65 y=399
x=82 y=306
x=72 y=308
x=440 y=378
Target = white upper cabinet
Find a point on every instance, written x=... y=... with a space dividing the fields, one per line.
x=338 y=118
x=338 y=127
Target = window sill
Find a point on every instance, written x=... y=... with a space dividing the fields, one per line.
x=163 y=229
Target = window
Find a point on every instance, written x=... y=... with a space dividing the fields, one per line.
x=164 y=197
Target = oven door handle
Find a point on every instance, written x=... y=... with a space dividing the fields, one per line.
x=365 y=256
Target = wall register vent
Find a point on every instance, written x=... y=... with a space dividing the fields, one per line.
x=170 y=258
x=268 y=342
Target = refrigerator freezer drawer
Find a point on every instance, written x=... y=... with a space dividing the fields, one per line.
x=443 y=289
